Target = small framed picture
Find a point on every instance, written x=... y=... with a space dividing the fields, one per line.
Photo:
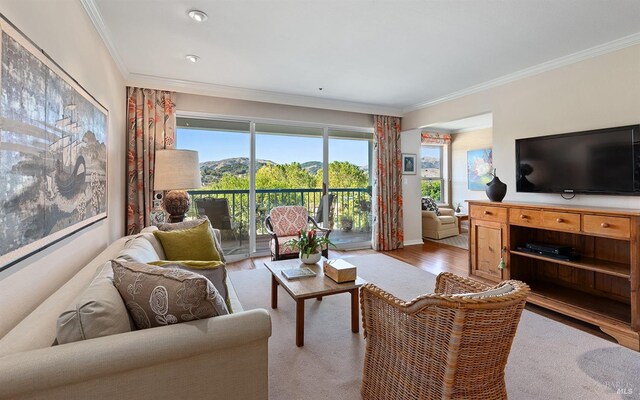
x=409 y=164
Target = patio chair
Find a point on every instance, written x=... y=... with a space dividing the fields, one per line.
x=284 y=223
x=320 y=210
x=217 y=210
x=453 y=344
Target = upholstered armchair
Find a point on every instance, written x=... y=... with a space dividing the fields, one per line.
x=453 y=344
x=284 y=223
x=439 y=226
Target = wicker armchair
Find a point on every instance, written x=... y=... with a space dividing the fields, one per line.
x=449 y=345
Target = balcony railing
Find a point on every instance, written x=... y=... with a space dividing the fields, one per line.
x=351 y=206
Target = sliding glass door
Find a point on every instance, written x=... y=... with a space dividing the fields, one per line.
x=256 y=165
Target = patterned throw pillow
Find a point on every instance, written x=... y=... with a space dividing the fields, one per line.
x=157 y=296
x=428 y=204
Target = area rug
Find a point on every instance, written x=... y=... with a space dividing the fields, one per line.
x=461 y=240
x=548 y=360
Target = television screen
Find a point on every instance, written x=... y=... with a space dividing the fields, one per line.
x=603 y=161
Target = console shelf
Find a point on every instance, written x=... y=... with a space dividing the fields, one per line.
x=602 y=287
x=587 y=263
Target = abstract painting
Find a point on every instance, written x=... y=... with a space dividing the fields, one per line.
x=53 y=151
x=479 y=168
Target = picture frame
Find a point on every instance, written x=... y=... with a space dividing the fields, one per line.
x=409 y=166
x=479 y=167
x=53 y=152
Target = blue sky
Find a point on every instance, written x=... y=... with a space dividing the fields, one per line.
x=214 y=145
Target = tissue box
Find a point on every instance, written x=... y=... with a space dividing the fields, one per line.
x=339 y=270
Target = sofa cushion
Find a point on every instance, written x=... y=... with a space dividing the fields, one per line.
x=168 y=227
x=214 y=271
x=140 y=249
x=429 y=204
x=288 y=220
x=447 y=219
x=189 y=244
x=98 y=311
x=282 y=248
x=157 y=296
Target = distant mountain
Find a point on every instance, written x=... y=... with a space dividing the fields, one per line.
x=212 y=171
x=430 y=162
x=312 y=166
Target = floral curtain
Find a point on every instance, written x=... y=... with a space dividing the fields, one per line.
x=151 y=125
x=435 y=138
x=388 y=232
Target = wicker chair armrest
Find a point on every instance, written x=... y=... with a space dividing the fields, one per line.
x=448 y=284
x=269 y=228
x=313 y=222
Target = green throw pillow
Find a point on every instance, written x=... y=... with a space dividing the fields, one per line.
x=195 y=244
x=214 y=271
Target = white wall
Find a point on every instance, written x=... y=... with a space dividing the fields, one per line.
x=411 y=195
x=595 y=93
x=460 y=144
x=65 y=32
x=244 y=108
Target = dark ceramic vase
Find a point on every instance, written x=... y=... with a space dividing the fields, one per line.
x=496 y=189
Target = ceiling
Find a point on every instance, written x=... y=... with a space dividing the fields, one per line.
x=464 y=125
x=378 y=56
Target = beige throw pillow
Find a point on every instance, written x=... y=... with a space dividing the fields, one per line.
x=98 y=311
x=157 y=296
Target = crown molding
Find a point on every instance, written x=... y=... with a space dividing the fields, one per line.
x=94 y=14
x=232 y=92
x=595 y=51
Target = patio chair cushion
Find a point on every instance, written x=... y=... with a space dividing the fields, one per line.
x=288 y=220
x=283 y=249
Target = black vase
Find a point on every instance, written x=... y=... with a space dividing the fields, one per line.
x=496 y=189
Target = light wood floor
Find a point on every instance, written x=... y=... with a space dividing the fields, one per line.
x=434 y=258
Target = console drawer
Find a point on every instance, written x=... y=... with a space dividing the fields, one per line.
x=561 y=221
x=487 y=213
x=525 y=217
x=607 y=226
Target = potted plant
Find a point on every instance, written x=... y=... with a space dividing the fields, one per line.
x=346 y=223
x=309 y=244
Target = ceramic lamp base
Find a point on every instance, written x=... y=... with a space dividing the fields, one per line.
x=177 y=203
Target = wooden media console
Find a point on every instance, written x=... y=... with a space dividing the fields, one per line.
x=601 y=286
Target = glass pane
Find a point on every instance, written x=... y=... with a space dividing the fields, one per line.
x=223 y=149
x=431 y=162
x=288 y=171
x=350 y=186
x=432 y=188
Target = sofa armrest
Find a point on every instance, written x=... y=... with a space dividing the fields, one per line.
x=447 y=211
x=209 y=358
x=429 y=214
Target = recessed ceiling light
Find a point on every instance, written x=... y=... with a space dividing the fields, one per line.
x=197 y=15
x=192 y=58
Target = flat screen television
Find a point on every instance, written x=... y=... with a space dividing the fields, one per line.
x=602 y=161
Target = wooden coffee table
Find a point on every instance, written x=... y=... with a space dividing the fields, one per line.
x=309 y=288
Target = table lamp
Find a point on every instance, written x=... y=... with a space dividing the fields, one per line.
x=175 y=171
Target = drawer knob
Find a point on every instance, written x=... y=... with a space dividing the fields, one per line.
x=522 y=216
x=604 y=225
x=487 y=213
x=559 y=220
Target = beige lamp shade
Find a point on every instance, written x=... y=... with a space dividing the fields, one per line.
x=176 y=170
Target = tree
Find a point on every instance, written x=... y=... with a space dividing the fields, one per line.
x=343 y=174
x=431 y=188
x=284 y=176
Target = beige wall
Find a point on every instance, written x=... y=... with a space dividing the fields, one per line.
x=64 y=31
x=410 y=143
x=596 y=93
x=208 y=105
x=460 y=144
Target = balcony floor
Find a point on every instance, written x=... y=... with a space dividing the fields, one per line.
x=339 y=238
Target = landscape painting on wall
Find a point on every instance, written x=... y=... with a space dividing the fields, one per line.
x=53 y=151
x=479 y=168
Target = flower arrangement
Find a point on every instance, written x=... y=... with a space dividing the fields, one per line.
x=308 y=242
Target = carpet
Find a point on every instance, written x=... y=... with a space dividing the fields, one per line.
x=548 y=360
x=461 y=240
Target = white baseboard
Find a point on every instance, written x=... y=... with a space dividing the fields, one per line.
x=412 y=242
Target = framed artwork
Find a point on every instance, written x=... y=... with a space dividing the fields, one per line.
x=409 y=164
x=53 y=151
x=479 y=167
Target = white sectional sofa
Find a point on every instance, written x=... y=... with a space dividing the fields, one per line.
x=223 y=357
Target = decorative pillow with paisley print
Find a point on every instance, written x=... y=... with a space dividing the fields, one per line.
x=156 y=296
x=428 y=204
